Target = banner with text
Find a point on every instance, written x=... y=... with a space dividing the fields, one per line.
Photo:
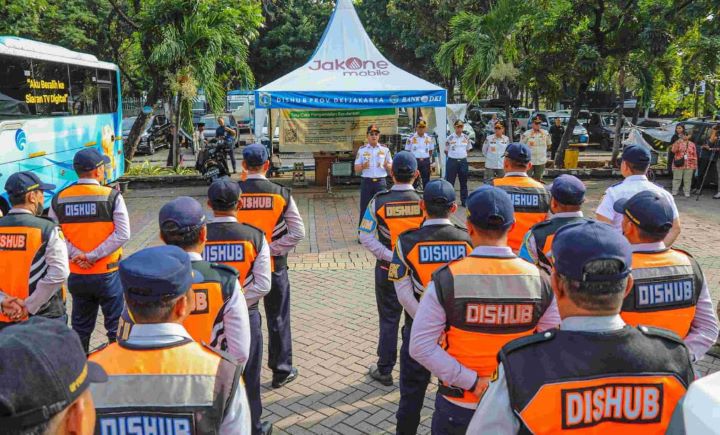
x=331 y=130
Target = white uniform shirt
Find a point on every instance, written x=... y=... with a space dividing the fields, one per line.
x=538 y=143
x=494 y=151
x=458 y=146
x=421 y=146
x=378 y=156
x=627 y=189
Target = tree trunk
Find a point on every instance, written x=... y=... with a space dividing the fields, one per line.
x=508 y=110
x=535 y=100
x=130 y=145
x=175 y=144
x=620 y=117
x=696 y=99
x=710 y=107
x=577 y=103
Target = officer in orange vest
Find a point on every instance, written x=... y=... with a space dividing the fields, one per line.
x=96 y=224
x=243 y=247
x=390 y=213
x=670 y=290
x=568 y=194
x=530 y=199
x=418 y=252
x=271 y=207
x=160 y=379
x=33 y=256
x=595 y=374
x=474 y=306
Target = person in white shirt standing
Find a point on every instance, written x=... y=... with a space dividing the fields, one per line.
x=538 y=140
x=373 y=162
x=494 y=151
x=422 y=145
x=456 y=166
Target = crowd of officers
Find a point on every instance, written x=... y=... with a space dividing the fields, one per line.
x=533 y=318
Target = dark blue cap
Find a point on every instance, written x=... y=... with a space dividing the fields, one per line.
x=518 y=152
x=88 y=159
x=43 y=370
x=224 y=192
x=439 y=192
x=404 y=163
x=255 y=154
x=23 y=182
x=568 y=190
x=648 y=210
x=157 y=273
x=636 y=154
x=490 y=208
x=183 y=211
x=577 y=244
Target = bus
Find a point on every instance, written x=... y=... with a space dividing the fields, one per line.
x=242 y=106
x=53 y=103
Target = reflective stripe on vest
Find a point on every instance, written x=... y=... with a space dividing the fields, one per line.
x=488 y=302
x=531 y=202
x=666 y=290
x=172 y=390
x=85 y=213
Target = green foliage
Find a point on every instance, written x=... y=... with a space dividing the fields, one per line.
x=148 y=170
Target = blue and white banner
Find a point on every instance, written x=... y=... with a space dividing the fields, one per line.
x=349 y=100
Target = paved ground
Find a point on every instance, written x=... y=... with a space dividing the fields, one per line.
x=334 y=316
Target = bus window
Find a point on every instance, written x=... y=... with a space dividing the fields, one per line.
x=105 y=94
x=51 y=88
x=14 y=87
x=83 y=90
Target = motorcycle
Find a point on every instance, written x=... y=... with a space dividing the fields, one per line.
x=212 y=160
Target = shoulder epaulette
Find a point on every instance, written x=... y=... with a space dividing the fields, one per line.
x=541 y=224
x=616 y=184
x=660 y=332
x=225 y=268
x=682 y=251
x=460 y=227
x=253 y=227
x=521 y=342
x=383 y=192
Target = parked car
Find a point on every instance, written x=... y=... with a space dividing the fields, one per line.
x=150 y=139
x=211 y=124
x=522 y=115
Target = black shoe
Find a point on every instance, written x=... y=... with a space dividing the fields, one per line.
x=374 y=373
x=266 y=428
x=282 y=380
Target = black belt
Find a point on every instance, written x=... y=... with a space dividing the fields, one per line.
x=422 y=159
x=449 y=391
x=453 y=158
x=374 y=180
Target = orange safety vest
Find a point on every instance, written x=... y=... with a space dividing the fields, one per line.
x=178 y=388
x=396 y=211
x=85 y=213
x=544 y=234
x=23 y=240
x=236 y=245
x=488 y=302
x=531 y=202
x=627 y=381
x=666 y=290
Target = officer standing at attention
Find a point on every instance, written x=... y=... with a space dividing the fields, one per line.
x=160 y=372
x=635 y=163
x=389 y=214
x=494 y=151
x=422 y=146
x=270 y=207
x=473 y=307
x=530 y=199
x=538 y=140
x=594 y=372
x=457 y=147
x=224 y=132
x=33 y=255
x=45 y=379
x=418 y=252
x=96 y=223
x=373 y=162
x=243 y=247
x=567 y=195
x=670 y=290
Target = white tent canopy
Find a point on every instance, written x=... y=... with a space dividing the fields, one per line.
x=347 y=71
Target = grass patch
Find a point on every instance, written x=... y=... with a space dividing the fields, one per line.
x=148 y=170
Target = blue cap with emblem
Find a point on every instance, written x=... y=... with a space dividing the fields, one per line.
x=184 y=212
x=88 y=159
x=577 y=244
x=636 y=154
x=224 y=193
x=23 y=182
x=490 y=208
x=158 y=273
x=404 y=163
x=255 y=154
x=518 y=152
x=568 y=190
x=439 y=192
x=648 y=210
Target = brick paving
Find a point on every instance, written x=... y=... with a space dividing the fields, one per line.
x=334 y=316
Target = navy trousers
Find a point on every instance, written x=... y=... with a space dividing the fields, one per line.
x=90 y=292
x=424 y=168
x=414 y=380
x=450 y=419
x=458 y=168
x=277 y=312
x=368 y=188
x=252 y=369
x=389 y=312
